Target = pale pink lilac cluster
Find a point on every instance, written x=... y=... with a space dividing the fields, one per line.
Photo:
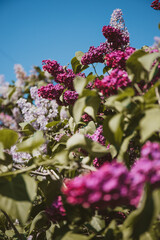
x=40 y=113
x=56 y=212
x=95 y=55
x=7 y=121
x=117 y=58
x=4 y=86
x=155 y=5
x=110 y=84
x=109 y=186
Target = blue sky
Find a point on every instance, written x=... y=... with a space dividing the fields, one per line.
x=33 y=30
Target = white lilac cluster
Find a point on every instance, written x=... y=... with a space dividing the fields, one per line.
x=117 y=21
x=40 y=113
x=19 y=157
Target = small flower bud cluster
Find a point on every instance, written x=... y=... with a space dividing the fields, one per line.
x=56 y=212
x=109 y=84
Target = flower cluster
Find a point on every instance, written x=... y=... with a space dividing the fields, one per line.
x=109 y=84
x=110 y=185
x=56 y=212
x=155 y=5
x=117 y=58
x=150 y=158
x=95 y=54
x=7 y=121
x=61 y=75
x=41 y=112
x=115 y=37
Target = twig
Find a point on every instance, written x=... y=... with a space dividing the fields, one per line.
x=12 y=225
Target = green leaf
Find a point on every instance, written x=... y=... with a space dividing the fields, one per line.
x=148 y=59
x=16 y=196
x=78 y=109
x=76 y=63
x=92 y=106
x=135 y=70
x=73 y=236
x=52 y=124
x=2 y=156
x=97 y=223
x=79 y=55
x=140 y=220
x=39 y=222
x=80 y=141
x=8 y=137
x=27 y=128
x=150 y=123
x=31 y=143
x=113 y=131
x=79 y=84
x=106 y=69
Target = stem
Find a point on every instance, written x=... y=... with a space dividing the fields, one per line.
x=95 y=70
x=157 y=95
x=12 y=225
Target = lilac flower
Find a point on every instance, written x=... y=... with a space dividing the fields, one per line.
x=4 y=86
x=51 y=91
x=20 y=75
x=56 y=212
x=7 y=121
x=109 y=84
x=155 y=5
x=52 y=67
x=41 y=112
x=115 y=37
x=19 y=157
x=147 y=168
x=95 y=54
x=70 y=97
x=117 y=58
x=109 y=186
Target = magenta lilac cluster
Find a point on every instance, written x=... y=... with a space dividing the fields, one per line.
x=110 y=185
x=86 y=117
x=147 y=168
x=97 y=136
x=115 y=37
x=61 y=75
x=70 y=97
x=56 y=212
x=117 y=58
x=155 y=5
x=52 y=67
x=51 y=91
x=109 y=84
x=95 y=54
